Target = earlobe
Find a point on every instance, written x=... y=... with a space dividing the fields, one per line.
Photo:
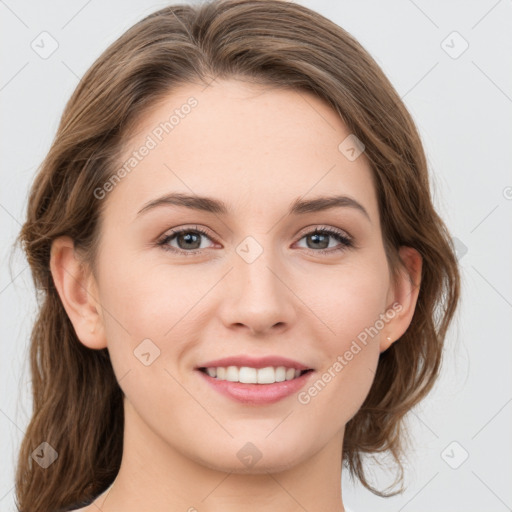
x=77 y=292
x=403 y=296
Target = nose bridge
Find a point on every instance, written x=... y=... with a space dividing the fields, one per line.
x=258 y=296
x=255 y=265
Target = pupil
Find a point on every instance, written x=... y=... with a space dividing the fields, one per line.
x=324 y=245
x=188 y=237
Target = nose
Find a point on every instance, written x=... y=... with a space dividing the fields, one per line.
x=257 y=296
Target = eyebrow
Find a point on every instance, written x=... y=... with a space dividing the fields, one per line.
x=216 y=206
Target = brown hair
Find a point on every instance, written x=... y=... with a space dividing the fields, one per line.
x=77 y=402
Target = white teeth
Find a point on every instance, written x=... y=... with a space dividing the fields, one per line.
x=266 y=375
x=280 y=374
x=248 y=375
x=232 y=374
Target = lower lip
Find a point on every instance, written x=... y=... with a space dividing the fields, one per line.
x=257 y=393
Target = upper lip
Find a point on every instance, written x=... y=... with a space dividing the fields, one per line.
x=254 y=362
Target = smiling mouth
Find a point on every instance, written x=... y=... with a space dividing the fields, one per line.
x=248 y=375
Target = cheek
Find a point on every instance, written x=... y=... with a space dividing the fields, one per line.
x=147 y=312
x=351 y=300
x=353 y=309
x=144 y=302
x=148 y=299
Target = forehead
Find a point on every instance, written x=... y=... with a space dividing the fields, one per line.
x=248 y=145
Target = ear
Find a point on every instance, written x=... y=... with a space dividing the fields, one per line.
x=403 y=295
x=77 y=289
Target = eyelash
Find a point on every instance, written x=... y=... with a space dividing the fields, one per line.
x=345 y=241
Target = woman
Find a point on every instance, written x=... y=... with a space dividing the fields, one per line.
x=245 y=283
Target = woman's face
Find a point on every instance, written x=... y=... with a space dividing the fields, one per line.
x=258 y=284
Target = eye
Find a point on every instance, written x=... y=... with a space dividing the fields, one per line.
x=188 y=240
x=319 y=240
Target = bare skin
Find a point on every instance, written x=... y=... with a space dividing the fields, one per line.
x=258 y=150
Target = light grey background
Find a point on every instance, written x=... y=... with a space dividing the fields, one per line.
x=462 y=107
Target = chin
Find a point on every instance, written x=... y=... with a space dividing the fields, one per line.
x=260 y=468
x=249 y=459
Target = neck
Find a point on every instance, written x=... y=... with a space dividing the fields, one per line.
x=159 y=477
